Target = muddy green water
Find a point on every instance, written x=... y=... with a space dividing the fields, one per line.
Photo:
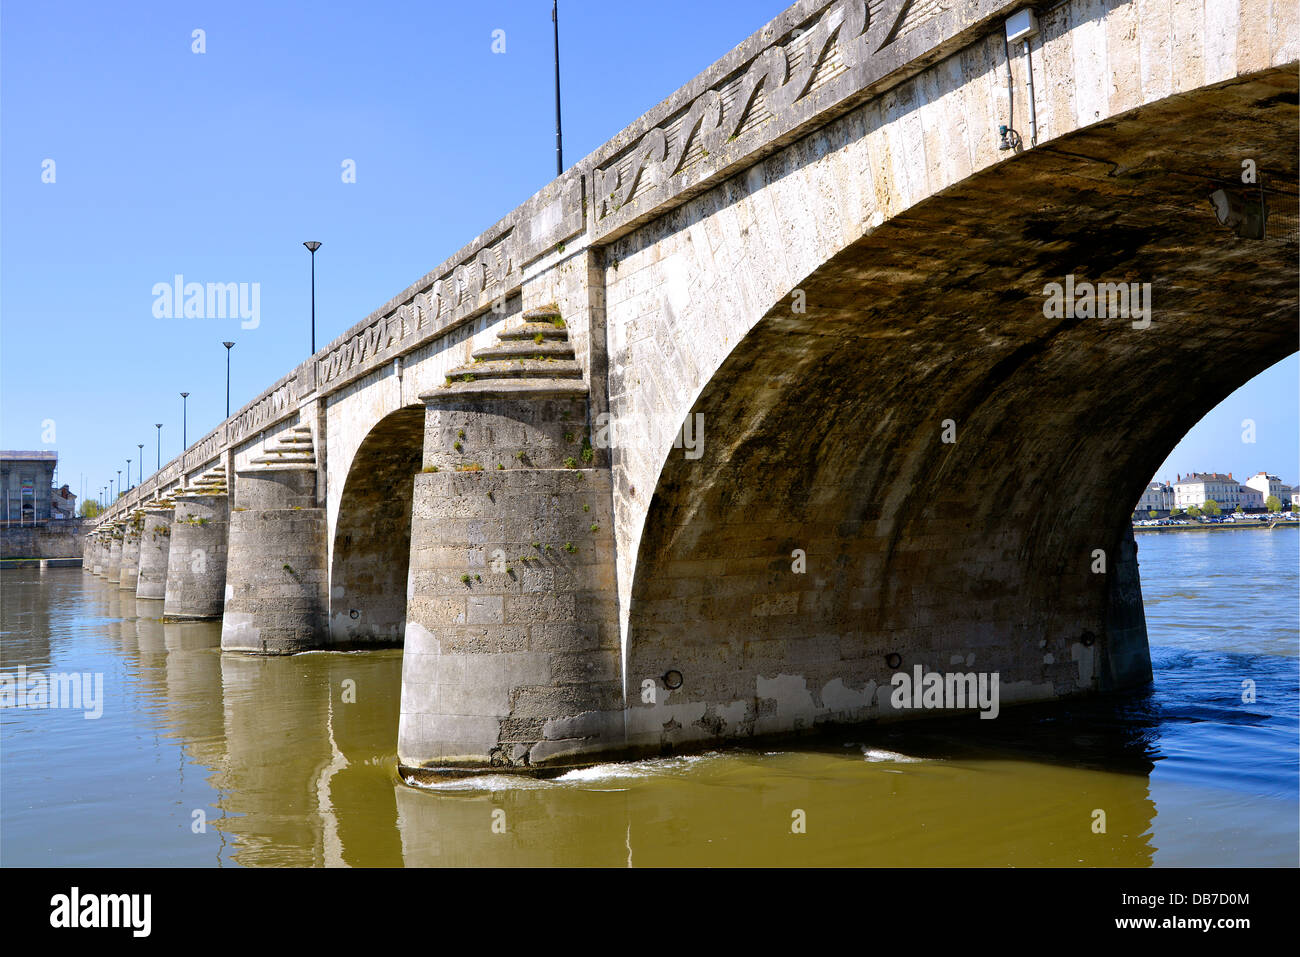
x=204 y=759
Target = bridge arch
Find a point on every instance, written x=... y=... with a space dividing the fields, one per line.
x=944 y=457
x=372 y=533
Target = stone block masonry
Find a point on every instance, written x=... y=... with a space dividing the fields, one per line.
x=196 y=559
x=275 y=598
x=129 y=574
x=512 y=650
x=155 y=545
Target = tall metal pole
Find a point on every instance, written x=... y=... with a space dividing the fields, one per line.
x=312 y=246
x=228 y=346
x=140 y=446
x=184 y=444
x=559 y=141
x=128 y=474
x=158 y=426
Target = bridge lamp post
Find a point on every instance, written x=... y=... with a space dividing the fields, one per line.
x=140 y=446
x=229 y=346
x=158 y=426
x=184 y=444
x=128 y=474
x=559 y=142
x=119 y=481
x=312 y=246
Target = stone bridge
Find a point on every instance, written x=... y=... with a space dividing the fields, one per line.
x=811 y=376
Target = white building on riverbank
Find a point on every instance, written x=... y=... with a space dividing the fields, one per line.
x=1268 y=485
x=1199 y=487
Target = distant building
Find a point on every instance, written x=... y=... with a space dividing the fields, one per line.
x=63 y=504
x=1199 y=487
x=1158 y=497
x=1270 y=485
x=1251 y=498
x=26 y=486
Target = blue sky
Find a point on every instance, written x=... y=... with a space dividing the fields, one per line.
x=217 y=166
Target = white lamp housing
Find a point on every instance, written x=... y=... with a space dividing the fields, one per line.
x=1021 y=25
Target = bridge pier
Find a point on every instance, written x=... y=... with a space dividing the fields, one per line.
x=129 y=574
x=1128 y=654
x=114 y=570
x=94 y=557
x=155 y=545
x=196 y=559
x=511 y=656
x=105 y=552
x=276 y=575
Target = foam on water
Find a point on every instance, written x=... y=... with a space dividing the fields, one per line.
x=879 y=754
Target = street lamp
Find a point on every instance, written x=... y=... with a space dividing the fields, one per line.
x=184 y=444
x=312 y=246
x=559 y=142
x=140 y=446
x=158 y=426
x=228 y=346
x=128 y=474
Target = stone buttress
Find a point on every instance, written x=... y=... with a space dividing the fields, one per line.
x=196 y=558
x=276 y=576
x=155 y=545
x=129 y=573
x=511 y=657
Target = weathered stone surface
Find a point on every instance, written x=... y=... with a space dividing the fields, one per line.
x=196 y=559
x=276 y=578
x=155 y=545
x=129 y=572
x=487 y=663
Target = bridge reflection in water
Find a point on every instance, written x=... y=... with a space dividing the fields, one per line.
x=299 y=755
x=295 y=766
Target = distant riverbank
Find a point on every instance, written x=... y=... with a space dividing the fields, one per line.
x=1207 y=527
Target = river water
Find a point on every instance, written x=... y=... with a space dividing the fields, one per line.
x=203 y=759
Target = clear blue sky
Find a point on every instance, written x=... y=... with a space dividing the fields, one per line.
x=218 y=165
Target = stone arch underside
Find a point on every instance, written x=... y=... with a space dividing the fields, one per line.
x=372 y=538
x=823 y=432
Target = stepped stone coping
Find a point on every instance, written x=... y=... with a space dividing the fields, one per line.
x=526 y=349
x=547 y=312
x=522 y=388
x=518 y=365
x=519 y=369
x=293 y=450
x=530 y=330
